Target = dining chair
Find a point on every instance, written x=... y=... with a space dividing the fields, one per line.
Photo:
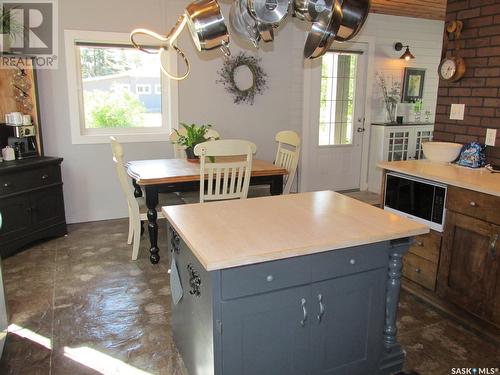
x=137 y=209
x=229 y=178
x=179 y=152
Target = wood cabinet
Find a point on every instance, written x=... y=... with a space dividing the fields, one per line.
x=31 y=202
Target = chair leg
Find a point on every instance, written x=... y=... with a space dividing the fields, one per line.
x=130 y=227
x=137 y=239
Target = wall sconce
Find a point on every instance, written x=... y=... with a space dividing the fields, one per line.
x=407 y=55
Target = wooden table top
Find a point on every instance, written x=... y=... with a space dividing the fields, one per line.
x=228 y=234
x=163 y=171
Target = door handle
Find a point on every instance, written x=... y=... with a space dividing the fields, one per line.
x=321 y=307
x=304 y=311
x=361 y=130
x=493 y=245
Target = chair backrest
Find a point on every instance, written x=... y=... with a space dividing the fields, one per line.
x=287 y=156
x=226 y=179
x=125 y=181
x=179 y=152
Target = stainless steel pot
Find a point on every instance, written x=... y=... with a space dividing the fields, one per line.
x=323 y=31
x=309 y=10
x=246 y=26
x=354 y=16
x=206 y=23
x=269 y=11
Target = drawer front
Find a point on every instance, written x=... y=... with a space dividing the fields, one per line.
x=16 y=182
x=348 y=261
x=471 y=203
x=420 y=270
x=265 y=277
x=427 y=246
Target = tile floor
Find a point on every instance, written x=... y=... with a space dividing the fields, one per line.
x=81 y=306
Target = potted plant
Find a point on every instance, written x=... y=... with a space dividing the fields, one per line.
x=9 y=29
x=193 y=135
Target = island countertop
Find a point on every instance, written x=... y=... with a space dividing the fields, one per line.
x=480 y=180
x=234 y=233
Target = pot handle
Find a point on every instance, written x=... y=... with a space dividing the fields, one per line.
x=225 y=49
x=150 y=33
x=186 y=61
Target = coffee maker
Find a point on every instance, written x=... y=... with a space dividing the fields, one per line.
x=21 y=138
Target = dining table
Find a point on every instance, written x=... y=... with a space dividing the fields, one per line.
x=181 y=175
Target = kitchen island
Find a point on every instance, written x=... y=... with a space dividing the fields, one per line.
x=297 y=284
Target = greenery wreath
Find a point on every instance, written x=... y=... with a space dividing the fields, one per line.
x=227 y=73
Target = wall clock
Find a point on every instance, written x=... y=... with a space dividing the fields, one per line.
x=452 y=68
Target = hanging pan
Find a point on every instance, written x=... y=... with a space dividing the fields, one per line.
x=309 y=10
x=354 y=13
x=271 y=12
x=323 y=31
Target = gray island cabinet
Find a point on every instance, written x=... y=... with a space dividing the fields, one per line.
x=299 y=284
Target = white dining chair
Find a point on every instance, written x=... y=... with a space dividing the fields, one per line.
x=179 y=151
x=137 y=209
x=226 y=179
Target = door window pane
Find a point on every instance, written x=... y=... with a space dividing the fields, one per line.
x=338 y=82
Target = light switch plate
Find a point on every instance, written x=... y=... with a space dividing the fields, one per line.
x=491 y=137
x=457 y=112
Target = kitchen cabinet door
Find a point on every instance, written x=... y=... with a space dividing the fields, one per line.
x=16 y=213
x=469 y=264
x=267 y=334
x=47 y=207
x=348 y=323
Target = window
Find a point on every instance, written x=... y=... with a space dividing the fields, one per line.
x=338 y=82
x=110 y=85
x=142 y=89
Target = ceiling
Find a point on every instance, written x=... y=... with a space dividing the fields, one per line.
x=430 y=9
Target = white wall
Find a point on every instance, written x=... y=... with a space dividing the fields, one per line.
x=91 y=189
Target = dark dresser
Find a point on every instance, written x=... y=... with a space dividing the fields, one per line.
x=31 y=202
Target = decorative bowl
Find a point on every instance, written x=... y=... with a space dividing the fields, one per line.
x=441 y=152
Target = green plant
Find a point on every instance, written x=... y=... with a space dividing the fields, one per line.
x=9 y=25
x=194 y=134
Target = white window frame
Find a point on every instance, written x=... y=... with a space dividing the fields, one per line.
x=81 y=135
x=146 y=89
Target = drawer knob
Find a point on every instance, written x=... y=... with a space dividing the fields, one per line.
x=6 y=185
x=473 y=204
x=45 y=176
x=352 y=261
x=269 y=278
x=418 y=270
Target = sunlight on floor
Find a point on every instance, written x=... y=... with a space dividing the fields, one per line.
x=30 y=335
x=101 y=362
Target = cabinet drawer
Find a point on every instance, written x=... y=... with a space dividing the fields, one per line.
x=427 y=246
x=264 y=277
x=348 y=261
x=16 y=182
x=471 y=203
x=420 y=270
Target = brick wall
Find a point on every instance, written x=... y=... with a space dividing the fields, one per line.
x=479 y=90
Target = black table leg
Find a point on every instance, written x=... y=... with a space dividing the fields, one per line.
x=152 y=202
x=277 y=185
x=137 y=189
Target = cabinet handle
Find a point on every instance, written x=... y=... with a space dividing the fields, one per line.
x=45 y=176
x=304 y=310
x=6 y=185
x=321 y=307
x=473 y=204
x=418 y=270
x=493 y=245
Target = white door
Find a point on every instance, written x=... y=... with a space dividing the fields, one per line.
x=334 y=101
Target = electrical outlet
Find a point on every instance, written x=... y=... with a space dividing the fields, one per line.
x=491 y=137
x=457 y=112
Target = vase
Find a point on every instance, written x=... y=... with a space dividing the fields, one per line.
x=390 y=108
x=190 y=154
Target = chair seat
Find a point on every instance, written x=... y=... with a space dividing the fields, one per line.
x=259 y=191
x=164 y=199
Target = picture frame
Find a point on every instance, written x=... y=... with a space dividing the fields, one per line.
x=413 y=85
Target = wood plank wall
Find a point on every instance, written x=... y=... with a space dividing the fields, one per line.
x=430 y=9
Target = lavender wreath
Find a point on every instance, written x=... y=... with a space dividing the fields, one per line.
x=228 y=70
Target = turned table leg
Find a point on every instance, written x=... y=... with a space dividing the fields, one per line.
x=151 y=203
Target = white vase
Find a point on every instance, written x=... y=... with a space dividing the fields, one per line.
x=5 y=43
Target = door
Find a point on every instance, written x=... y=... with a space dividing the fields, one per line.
x=348 y=323
x=469 y=263
x=267 y=334
x=335 y=102
x=16 y=217
x=47 y=207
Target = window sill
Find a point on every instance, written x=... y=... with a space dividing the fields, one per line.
x=159 y=136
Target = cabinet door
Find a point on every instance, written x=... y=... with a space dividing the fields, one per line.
x=347 y=331
x=422 y=134
x=398 y=143
x=48 y=207
x=469 y=263
x=16 y=214
x=263 y=334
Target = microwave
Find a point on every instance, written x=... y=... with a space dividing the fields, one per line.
x=415 y=198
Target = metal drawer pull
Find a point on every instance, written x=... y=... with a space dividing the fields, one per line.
x=418 y=270
x=45 y=176
x=269 y=278
x=321 y=307
x=352 y=261
x=304 y=310
x=6 y=185
x=473 y=204
x=493 y=245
